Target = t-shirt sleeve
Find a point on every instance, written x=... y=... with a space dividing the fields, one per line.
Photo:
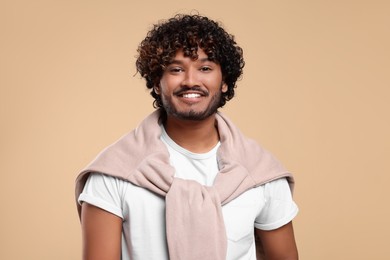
x=279 y=208
x=105 y=192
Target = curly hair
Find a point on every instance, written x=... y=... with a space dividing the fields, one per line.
x=188 y=33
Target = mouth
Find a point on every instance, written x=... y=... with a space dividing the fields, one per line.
x=191 y=95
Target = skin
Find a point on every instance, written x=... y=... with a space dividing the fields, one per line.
x=190 y=91
x=101 y=234
x=278 y=244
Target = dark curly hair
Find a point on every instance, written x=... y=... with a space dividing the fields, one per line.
x=188 y=33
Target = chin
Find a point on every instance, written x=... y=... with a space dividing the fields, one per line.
x=191 y=115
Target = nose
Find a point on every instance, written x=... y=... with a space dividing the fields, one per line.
x=191 y=78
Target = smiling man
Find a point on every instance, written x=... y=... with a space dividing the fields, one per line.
x=191 y=89
x=186 y=184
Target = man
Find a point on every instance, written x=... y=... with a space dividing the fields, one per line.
x=186 y=184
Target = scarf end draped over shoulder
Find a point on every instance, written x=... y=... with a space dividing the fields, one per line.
x=194 y=222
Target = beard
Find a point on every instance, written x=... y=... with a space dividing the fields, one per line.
x=192 y=114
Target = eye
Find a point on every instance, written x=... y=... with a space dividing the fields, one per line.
x=205 y=68
x=175 y=69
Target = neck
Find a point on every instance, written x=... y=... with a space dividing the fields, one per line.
x=195 y=136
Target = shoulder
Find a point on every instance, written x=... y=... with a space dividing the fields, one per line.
x=105 y=192
x=103 y=180
x=278 y=189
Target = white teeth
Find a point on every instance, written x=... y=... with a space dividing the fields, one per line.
x=191 y=95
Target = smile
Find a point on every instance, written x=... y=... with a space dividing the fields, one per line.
x=191 y=95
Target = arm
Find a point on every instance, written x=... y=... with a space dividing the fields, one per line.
x=101 y=234
x=278 y=244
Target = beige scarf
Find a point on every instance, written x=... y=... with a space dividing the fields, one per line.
x=194 y=222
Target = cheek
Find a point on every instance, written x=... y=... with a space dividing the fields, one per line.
x=168 y=84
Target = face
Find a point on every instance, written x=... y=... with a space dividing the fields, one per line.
x=191 y=89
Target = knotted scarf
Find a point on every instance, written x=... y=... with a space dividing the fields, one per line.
x=194 y=221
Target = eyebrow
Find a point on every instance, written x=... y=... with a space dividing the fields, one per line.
x=181 y=62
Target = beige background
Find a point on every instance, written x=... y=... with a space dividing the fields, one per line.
x=315 y=92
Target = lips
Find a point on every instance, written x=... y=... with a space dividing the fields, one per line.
x=191 y=97
x=194 y=92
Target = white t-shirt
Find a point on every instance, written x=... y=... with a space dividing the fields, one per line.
x=266 y=207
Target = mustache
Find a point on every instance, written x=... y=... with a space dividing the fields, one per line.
x=195 y=88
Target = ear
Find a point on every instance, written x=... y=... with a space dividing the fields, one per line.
x=224 y=87
x=156 y=89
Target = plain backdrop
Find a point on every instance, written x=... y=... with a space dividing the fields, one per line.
x=315 y=91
